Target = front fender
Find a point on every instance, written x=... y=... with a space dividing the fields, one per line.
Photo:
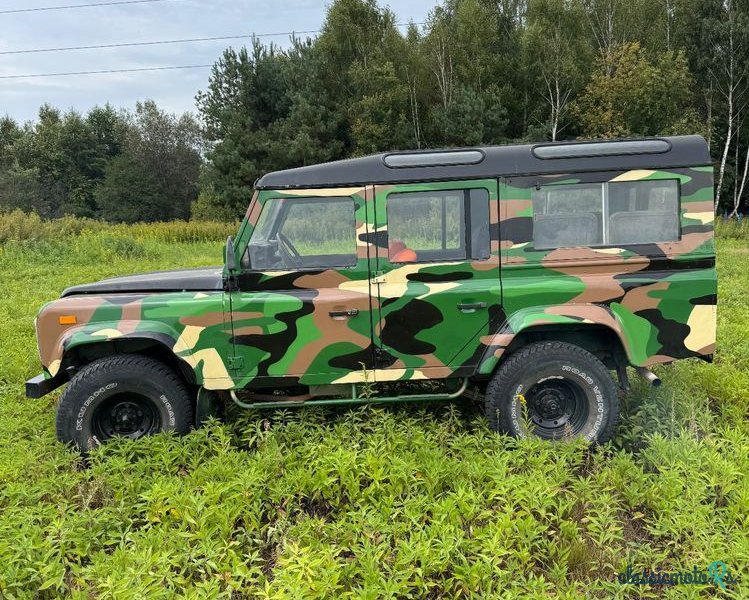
x=191 y=326
x=206 y=364
x=104 y=331
x=565 y=314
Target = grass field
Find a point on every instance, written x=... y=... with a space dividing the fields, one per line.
x=419 y=501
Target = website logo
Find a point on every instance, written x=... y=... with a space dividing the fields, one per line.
x=717 y=573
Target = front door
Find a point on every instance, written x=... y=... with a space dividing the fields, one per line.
x=435 y=276
x=301 y=314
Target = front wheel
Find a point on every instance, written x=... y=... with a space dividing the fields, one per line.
x=122 y=396
x=553 y=390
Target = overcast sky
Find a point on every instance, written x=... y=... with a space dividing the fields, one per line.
x=149 y=21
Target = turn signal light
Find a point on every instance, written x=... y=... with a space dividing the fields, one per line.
x=67 y=320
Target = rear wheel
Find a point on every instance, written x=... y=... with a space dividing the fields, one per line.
x=122 y=396
x=553 y=390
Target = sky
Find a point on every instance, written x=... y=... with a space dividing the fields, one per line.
x=153 y=20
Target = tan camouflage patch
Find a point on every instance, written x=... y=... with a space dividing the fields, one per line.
x=54 y=367
x=702 y=217
x=689 y=243
x=381 y=375
x=634 y=175
x=640 y=298
x=702 y=328
x=107 y=333
x=188 y=339
x=215 y=375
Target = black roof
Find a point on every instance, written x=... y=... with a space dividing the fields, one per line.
x=494 y=161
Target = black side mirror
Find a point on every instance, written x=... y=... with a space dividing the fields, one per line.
x=229 y=257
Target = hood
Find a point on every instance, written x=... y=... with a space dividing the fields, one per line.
x=184 y=280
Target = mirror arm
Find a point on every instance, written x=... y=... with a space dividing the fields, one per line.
x=229 y=256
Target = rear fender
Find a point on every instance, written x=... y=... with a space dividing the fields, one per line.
x=564 y=315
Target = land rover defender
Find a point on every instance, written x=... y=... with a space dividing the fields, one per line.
x=527 y=275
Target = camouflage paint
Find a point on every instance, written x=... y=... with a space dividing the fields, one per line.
x=659 y=299
x=193 y=325
x=283 y=331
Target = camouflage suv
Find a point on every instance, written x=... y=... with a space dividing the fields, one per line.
x=530 y=274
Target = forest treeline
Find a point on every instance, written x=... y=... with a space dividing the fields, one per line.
x=476 y=72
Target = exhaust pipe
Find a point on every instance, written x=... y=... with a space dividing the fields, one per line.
x=647 y=374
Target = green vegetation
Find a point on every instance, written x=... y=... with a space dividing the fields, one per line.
x=113 y=165
x=474 y=72
x=375 y=502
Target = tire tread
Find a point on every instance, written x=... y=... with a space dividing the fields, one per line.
x=70 y=400
x=531 y=353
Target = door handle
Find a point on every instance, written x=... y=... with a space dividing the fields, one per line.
x=343 y=314
x=470 y=307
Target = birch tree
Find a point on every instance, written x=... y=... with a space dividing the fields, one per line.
x=730 y=70
x=556 y=50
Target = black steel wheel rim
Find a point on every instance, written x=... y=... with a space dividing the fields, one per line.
x=125 y=415
x=557 y=407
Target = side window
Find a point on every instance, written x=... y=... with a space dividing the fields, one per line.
x=300 y=233
x=600 y=214
x=643 y=212
x=438 y=225
x=567 y=215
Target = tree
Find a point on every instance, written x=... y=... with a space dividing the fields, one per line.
x=629 y=95
x=379 y=118
x=266 y=110
x=366 y=64
x=468 y=52
x=312 y=128
x=67 y=159
x=155 y=178
x=10 y=132
x=131 y=192
x=557 y=55
x=478 y=72
x=729 y=72
x=354 y=32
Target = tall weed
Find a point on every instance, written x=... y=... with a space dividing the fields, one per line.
x=417 y=501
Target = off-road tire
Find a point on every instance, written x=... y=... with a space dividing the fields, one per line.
x=106 y=397
x=545 y=375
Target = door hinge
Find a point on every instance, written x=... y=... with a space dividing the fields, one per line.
x=235 y=362
x=231 y=283
x=377 y=277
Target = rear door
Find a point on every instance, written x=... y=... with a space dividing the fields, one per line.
x=435 y=281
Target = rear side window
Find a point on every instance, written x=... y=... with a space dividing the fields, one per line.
x=298 y=233
x=642 y=212
x=438 y=225
x=568 y=215
x=603 y=214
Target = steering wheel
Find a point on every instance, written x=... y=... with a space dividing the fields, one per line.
x=289 y=251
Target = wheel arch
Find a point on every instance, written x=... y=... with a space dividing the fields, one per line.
x=592 y=327
x=82 y=345
x=77 y=346
x=84 y=352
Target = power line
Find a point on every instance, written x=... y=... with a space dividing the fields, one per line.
x=156 y=43
x=65 y=7
x=105 y=71
x=162 y=42
x=142 y=69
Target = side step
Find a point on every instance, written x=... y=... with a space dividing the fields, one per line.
x=355 y=398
